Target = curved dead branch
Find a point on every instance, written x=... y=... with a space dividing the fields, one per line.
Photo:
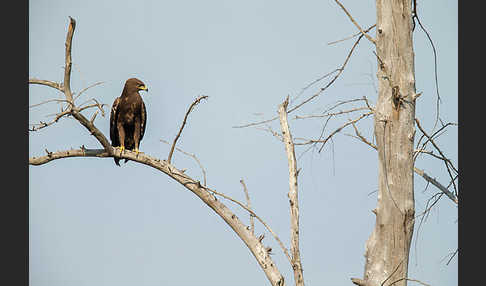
x=204 y=193
x=254 y=244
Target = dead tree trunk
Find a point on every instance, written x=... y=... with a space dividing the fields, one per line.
x=387 y=249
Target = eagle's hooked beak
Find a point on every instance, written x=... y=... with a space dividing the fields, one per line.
x=143 y=87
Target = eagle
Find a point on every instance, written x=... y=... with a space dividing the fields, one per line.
x=128 y=118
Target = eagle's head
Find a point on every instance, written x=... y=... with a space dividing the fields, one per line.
x=134 y=85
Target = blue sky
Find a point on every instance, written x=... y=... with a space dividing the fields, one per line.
x=93 y=223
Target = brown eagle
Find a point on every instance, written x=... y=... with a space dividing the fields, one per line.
x=128 y=118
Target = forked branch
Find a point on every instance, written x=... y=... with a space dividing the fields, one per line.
x=65 y=88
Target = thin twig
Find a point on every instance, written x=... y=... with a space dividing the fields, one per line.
x=415 y=16
x=47 y=101
x=192 y=156
x=452 y=256
x=331 y=114
x=41 y=125
x=100 y=107
x=86 y=88
x=425 y=214
x=284 y=249
x=311 y=84
x=248 y=204
x=93 y=117
x=363 y=138
x=183 y=124
x=271 y=131
x=348 y=38
x=431 y=153
x=341 y=128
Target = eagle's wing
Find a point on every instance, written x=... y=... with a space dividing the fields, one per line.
x=143 y=120
x=113 y=118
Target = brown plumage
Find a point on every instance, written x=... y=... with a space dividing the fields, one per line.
x=128 y=118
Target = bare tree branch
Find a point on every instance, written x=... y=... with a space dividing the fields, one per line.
x=68 y=62
x=147 y=160
x=331 y=114
x=49 y=83
x=100 y=107
x=356 y=24
x=447 y=162
x=183 y=124
x=311 y=84
x=284 y=249
x=348 y=38
x=293 y=194
x=42 y=124
x=342 y=127
x=437 y=184
x=66 y=89
x=86 y=88
x=452 y=255
x=51 y=156
x=362 y=137
x=434 y=135
x=415 y=16
x=341 y=69
x=321 y=90
x=47 y=101
x=337 y=130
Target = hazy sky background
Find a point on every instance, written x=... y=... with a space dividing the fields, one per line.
x=93 y=223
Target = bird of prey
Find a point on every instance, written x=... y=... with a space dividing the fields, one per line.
x=128 y=118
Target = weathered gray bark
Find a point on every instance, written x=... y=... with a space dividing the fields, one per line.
x=387 y=249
